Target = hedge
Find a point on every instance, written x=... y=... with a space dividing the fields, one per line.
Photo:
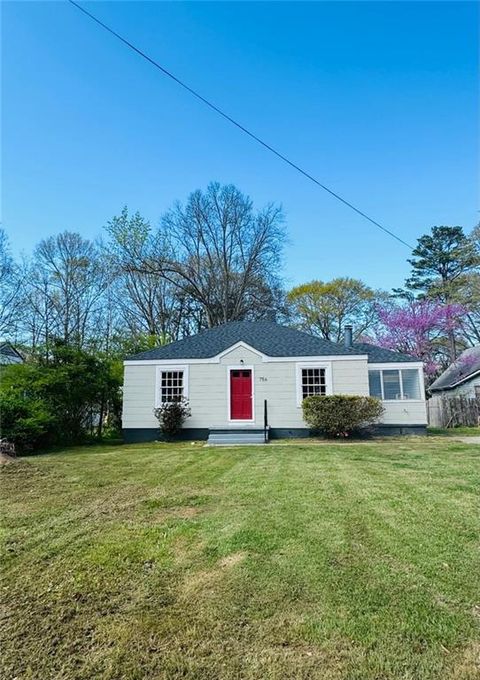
x=341 y=414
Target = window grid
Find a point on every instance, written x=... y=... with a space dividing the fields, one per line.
x=313 y=382
x=172 y=386
x=402 y=396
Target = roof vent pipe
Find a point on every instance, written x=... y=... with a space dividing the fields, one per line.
x=348 y=337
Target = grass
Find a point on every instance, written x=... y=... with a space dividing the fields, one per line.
x=334 y=561
x=455 y=431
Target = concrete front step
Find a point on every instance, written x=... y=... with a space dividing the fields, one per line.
x=225 y=437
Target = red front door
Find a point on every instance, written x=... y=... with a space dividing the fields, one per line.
x=241 y=394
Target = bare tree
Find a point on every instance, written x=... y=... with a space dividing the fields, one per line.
x=65 y=282
x=213 y=260
x=37 y=308
x=148 y=302
x=227 y=257
x=10 y=289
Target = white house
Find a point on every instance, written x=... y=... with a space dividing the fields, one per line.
x=240 y=373
x=462 y=378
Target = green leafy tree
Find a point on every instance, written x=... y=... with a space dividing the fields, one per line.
x=62 y=400
x=441 y=264
x=326 y=308
x=147 y=302
x=27 y=421
x=440 y=260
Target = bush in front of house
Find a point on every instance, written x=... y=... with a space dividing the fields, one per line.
x=171 y=415
x=340 y=415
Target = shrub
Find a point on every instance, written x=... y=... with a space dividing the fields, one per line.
x=339 y=415
x=59 y=400
x=171 y=415
x=26 y=422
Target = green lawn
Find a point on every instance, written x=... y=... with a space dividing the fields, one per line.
x=455 y=431
x=353 y=561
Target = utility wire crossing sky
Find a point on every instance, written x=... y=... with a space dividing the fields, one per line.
x=237 y=124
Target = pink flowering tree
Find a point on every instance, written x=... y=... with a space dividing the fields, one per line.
x=419 y=328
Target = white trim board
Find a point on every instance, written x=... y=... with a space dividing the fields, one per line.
x=158 y=381
x=265 y=359
x=312 y=364
x=394 y=364
x=400 y=367
x=232 y=348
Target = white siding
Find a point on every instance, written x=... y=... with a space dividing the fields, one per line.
x=208 y=390
x=274 y=381
x=404 y=413
x=350 y=377
x=139 y=396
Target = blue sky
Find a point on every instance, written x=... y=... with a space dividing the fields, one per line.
x=378 y=100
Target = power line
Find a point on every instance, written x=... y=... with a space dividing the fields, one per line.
x=237 y=124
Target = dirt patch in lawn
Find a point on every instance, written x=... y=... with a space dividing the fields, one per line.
x=206 y=579
x=467 y=664
x=184 y=512
x=232 y=560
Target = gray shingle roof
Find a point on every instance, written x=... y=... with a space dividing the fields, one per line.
x=380 y=355
x=265 y=336
x=467 y=364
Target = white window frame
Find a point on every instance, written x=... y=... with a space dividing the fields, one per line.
x=240 y=367
x=328 y=378
x=386 y=367
x=167 y=368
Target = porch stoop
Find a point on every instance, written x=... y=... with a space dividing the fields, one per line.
x=245 y=436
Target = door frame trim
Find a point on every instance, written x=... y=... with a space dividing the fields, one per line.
x=240 y=367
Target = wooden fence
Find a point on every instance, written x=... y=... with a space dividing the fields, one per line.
x=444 y=411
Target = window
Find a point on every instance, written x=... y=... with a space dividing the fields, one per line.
x=393 y=384
x=313 y=382
x=410 y=383
x=375 y=383
x=313 y=379
x=241 y=374
x=172 y=386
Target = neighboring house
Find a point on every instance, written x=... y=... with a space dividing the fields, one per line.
x=462 y=378
x=9 y=355
x=229 y=372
